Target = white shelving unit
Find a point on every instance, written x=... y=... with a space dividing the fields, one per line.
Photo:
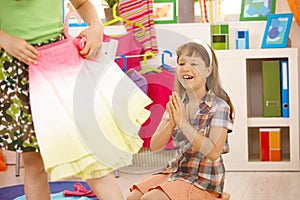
x=244 y=141
x=234 y=68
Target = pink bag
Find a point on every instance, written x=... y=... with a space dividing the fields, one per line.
x=83 y=108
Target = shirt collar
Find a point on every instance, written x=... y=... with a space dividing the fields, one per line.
x=207 y=99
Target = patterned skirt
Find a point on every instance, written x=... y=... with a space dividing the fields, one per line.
x=16 y=125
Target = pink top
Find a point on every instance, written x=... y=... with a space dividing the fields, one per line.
x=160 y=87
x=128 y=45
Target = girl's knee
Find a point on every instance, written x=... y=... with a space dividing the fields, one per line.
x=33 y=161
x=130 y=197
x=32 y=158
x=225 y=196
x=155 y=194
x=134 y=195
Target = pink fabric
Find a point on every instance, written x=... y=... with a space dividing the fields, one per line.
x=127 y=46
x=52 y=64
x=79 y=190
x=160 y=86
x=83 y=104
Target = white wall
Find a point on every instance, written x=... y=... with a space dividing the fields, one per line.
x=170 y=36
x=201 y=31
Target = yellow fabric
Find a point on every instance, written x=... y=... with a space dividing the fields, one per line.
x=69 y=143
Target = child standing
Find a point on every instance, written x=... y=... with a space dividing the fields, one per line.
x=199 y=117
x=24 y=26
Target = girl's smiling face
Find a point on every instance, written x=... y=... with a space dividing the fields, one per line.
x=192 y=72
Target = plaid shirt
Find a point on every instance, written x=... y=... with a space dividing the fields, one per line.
x=191 y=165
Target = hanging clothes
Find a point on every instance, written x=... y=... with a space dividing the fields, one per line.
x=86 y=106
x=210 y=10
x=140 y=11
x=138 y=79
x=127 y=45
x=160 y=87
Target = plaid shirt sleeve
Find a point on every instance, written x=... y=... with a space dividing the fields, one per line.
x=222 y=119
x=222 y=116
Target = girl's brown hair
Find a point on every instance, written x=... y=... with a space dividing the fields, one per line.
x=193 y=49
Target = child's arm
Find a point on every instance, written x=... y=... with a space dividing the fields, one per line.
x=211 y=147
x=18 y=48
x=94 y=33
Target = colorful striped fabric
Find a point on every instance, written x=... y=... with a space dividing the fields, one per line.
x=210 y=10
x=203 y=17
x=140 y=11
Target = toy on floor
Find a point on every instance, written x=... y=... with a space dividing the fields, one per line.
x=79 y=190
x=3 y=165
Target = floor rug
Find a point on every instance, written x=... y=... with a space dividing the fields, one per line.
x=11 y=192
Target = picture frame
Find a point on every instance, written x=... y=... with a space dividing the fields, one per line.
x=165 y=11
x=253 y=10
x=277 y=30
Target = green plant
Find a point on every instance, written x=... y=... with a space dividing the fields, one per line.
x=109 y=3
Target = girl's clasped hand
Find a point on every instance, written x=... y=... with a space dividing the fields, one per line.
x=176 y=109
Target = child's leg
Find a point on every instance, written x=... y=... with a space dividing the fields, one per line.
x=156 y=194
x=136 y=194
x=141 y=188
x=35 y=179
x=106 y=188
x=225 y=196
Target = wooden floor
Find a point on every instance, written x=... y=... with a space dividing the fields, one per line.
x=241 y=185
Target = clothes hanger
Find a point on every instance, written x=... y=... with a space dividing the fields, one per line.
x=148 y=67
x=66 y=26
x=117 y=18
x=124 y=60
x=163 y=58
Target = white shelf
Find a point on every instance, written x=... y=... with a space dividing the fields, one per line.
x=233 y=74
x=274 y=121
x=243 y=141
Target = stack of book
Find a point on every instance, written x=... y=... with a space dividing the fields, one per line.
x=270 y=144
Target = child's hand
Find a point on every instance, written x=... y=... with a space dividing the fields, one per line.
x=94 y=37
x=170 y=117
x=19 y=48
x=177 y=109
